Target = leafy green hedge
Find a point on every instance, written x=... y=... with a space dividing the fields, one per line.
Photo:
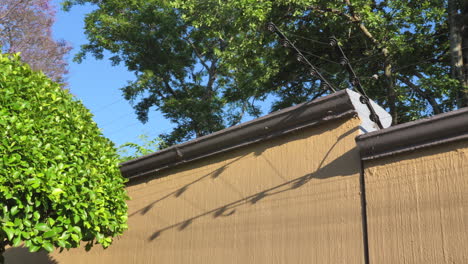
x=59 y=177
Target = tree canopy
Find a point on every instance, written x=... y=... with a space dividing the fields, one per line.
x=131 y=150
x=206 y=64
x=26 y=27
x=60 y=182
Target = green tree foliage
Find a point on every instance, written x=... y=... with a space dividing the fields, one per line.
x=204 y=64
x=59 y=178
x=131 y=150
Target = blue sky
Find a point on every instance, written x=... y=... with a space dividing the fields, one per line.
x=96 y=83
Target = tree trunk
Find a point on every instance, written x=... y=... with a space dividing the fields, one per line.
x=464 y=33
x=456 y=52
x=392 y=99
x=391 y=94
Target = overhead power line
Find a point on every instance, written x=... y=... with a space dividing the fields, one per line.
x=108 y=105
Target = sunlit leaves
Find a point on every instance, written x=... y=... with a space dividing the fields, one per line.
x=59 y=177
x=171 y=46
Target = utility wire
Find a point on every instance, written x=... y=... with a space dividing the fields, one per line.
x=113 y=121
x=107 y=106
x=122 y=129
x=300 y=57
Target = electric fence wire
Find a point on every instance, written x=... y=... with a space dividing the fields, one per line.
x=355 y=81
x=319 y=57
x=300 y=57
x=344 y=61
x=413 y=64
x=366 y=58
x=334 y=62
x=348 y=38
x=290 y=33
x=326 y=72
x=309 y=39
x=417 y=63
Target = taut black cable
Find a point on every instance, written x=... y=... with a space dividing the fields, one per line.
x=300 y=57
x=355 y=81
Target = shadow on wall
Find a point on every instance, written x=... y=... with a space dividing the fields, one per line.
x=20 y=255
x=177 y=193
x=339 y=166
x=216 y=173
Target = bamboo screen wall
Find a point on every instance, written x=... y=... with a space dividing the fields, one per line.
x=417 y=206
x=305 y=197
x=293 y=199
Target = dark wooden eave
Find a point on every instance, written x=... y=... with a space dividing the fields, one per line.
x=435 y=130
x=332 y=107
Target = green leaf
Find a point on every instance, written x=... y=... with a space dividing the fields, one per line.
x=25 y=234
x=17 y=241
x=26 y=222
x=76 y=229
x=51 y=221
x=18 y=222
x=57 y=180
x=76 y=219
x=42 y=227
x=14 y=210
x=99 y=236
x=33 y=182
x=10 y=233
x=48 y=246
x=36 y=215
x=61 y=243
x=50 y=234
x=34 y=248
x=9 y=223
x=75 y=237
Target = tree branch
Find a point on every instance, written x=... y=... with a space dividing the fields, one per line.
x=197 y=53
x=169 y=88
x=10 y=9
x=422 y=93
x=212 y=75
x=353 y=17
x=333 y=11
